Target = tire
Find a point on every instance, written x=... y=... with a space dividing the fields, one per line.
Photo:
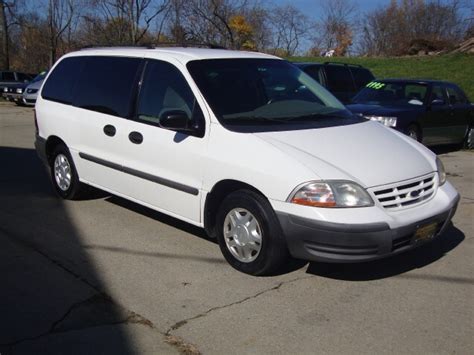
x=249 y=234
x=64 y=175
x=414 y=132
x=469 y=140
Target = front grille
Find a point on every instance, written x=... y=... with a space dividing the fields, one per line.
x=406 y=193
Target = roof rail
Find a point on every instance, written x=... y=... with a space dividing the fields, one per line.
x=341 y=63
x=160 y=44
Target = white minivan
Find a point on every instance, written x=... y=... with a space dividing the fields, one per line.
x=245 y=145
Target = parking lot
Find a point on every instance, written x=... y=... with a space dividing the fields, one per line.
x=107 y=275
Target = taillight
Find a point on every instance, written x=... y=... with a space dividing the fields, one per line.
x=36 y=122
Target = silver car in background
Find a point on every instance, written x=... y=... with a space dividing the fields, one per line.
x=31 y=91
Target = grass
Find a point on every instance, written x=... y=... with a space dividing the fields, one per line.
x=457 y=68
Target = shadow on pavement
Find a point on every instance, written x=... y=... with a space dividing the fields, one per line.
x=397 y=264
x=53 y=299
x=159 y=217
x=292 y=265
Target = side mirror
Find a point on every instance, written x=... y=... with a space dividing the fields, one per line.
x=438 y=102
x=175 y=120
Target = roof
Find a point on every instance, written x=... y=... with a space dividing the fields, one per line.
x=183 y=54
x=414 y=81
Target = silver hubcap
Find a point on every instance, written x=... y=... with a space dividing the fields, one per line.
x=242 y=235
x=62 y=172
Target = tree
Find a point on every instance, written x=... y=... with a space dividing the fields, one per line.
x=60 y=17
x=391 y=30
x=128 y=20
x=337 y=26
x=5 y=38
x=290 y=27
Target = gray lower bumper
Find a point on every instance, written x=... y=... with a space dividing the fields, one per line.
x=333 y=242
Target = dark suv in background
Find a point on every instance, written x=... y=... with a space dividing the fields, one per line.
x=8 y=78
x=341 y=79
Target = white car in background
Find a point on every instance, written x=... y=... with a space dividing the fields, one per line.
x=245 y=145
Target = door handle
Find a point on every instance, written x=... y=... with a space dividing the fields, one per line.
x=135 y=137
x=110 y=130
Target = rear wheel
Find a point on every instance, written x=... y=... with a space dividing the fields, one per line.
x=414 y=132
x=64 y=174
x=249 y=234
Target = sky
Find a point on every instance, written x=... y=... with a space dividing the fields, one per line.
x=310 y=7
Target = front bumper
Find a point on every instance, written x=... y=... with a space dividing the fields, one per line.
x=14 y=97
x=313 y=240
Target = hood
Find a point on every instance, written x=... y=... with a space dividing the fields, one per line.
x=367 y=153
x=35 y=85
x=378 y=110
x=17 y=85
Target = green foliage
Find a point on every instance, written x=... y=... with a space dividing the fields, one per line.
x=457 y=68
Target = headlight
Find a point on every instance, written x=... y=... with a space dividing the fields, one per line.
x=441 y=171
x=19 y=91
x=331 y=194
x=5 y=89
x=386 y=121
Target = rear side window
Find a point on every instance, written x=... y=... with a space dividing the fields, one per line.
x=8 y=76
x=362 y=77
x=107 y=84
x=60 y=84
x=165 y=89
x=339 y=78
x=438 y=93
x=314 y=71
x=456 y=96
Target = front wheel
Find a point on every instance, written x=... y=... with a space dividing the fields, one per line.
x=249 y=234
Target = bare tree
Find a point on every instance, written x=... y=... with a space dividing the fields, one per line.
x=5 y=38
x=337 y=25
x=60 y=16
x=395 y=28
x=129 y=19
x=290 y=27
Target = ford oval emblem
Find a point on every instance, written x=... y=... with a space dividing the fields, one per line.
x=415 y=193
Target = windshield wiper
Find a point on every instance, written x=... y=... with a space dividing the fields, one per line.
x=315 y=115
x=250 y=119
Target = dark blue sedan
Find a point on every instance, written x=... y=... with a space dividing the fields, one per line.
x=432 y=112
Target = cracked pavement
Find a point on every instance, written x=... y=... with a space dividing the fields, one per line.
x=105 y=275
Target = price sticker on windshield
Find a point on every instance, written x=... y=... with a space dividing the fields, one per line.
x=375 y=85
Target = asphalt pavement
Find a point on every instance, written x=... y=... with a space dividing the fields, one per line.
x=107 y=276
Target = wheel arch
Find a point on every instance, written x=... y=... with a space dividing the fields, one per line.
x=215 y=197
x=417 y=125
x=51 y=143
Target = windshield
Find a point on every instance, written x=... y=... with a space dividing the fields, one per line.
x=263 y=92
x=39 y=77
x=391 y=93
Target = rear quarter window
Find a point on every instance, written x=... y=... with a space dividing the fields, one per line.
x=106 y=85
x=314 y=71
x=8 y=76
x=339 y=78
x=60 y=84
x=362 y=77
